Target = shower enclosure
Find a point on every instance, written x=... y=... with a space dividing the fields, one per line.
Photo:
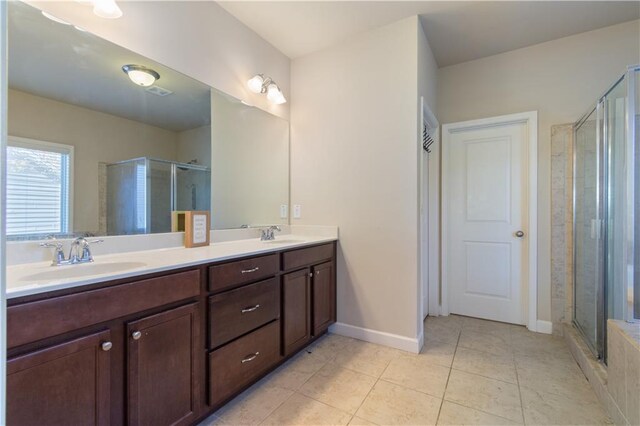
x=606 y=195
x=142 y=193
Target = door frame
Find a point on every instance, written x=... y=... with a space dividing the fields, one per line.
x=430 y=265
x=530 y=290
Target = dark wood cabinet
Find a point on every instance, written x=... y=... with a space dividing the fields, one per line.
x=161 y=360
x=323 y=295
x=167 y=348
x=65 y=384
x=296 y=306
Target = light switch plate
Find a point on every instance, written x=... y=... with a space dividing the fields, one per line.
x=297 y=211
x=283 y=211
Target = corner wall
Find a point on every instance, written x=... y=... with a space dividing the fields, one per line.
x=560 y=79
x=354 y=164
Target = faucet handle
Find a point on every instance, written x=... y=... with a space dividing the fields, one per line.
x=57 y=245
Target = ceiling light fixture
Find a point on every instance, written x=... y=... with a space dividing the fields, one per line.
x=261 y=84
x=142 y=76
x=54 y=18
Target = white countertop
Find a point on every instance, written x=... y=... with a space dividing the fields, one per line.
x=39 y=277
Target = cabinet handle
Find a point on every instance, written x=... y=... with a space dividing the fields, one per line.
x=136 y=335
x=310 y=274
x=105 y=346
x=248 y=271
x=250 y=357
x=317 y=272
x=251 y=309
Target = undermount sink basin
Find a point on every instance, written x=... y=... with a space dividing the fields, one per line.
x=282 y=241
x=82 y=270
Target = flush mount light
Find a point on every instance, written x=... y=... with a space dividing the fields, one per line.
x=54 y=18
x=261 y=84
x=142 y=76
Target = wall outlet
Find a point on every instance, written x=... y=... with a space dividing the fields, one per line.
x=297 y=211
x=284 y=211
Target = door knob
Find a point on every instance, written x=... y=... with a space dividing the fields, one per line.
x=136 y=335
x=519 y=234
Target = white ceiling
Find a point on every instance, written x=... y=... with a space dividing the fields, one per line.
x=458 y=31
x=59 y=62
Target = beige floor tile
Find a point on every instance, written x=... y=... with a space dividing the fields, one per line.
x=301 y=410
x=484 y=342
x=295 y=372
x=454 y=414
x=417 y=373
x=440 y=353
x=541 y=408
x=455 y=321
x=359 y=421
x=494 y=328
x=440 y=331
x=484 y=394
x=501 y=367
x=329 y=345
x=339 y=387
x=390 y=404
x=365 y=357
x=252 y=406
x=539 y=344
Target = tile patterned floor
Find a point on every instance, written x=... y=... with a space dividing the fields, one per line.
x=470 y=371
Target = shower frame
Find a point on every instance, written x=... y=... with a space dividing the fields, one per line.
x=602 y=194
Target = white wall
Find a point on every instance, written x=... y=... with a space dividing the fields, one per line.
x=560 y=79
x=195 y=144
x=354 y=163
x=96 y=137
x=197 y=38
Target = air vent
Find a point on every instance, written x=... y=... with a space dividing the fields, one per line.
x=157 y=90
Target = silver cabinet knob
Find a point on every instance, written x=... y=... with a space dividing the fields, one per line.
x=519 y=234
x=136 y=335
x=310 y=274
x=105 y=346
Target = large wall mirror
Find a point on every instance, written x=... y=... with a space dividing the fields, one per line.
x=90 y=152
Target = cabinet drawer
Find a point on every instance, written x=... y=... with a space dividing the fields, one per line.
x=239 y=363
x=231 y=274
x=33 y=321
x=236 y=312
x=308 y=256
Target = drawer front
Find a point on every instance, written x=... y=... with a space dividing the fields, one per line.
x=236 y=312
x=308 y=256
x=234 y=273
x=50 y=317
x=239 y=363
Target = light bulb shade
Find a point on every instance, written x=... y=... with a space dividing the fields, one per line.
x=140 y=75
x=106 y=9
x=274 y=94
x=255 y=83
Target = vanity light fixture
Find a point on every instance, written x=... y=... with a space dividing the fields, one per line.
x=142 y=76
x=107 y=9
x=261 y=84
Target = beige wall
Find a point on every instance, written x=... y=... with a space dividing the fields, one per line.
x=354 y=164
x=560 y=79
x=197 y=38
x=195 y=144
x=96 y=137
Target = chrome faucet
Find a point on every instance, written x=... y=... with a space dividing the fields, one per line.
x=79 y=252
x=267 y=233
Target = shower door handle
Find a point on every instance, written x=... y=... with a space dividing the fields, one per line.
x=519 y=234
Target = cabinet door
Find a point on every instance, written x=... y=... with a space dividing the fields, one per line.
x=296 y=300
x=161 y=363
x=323 y=285
x=66 y=384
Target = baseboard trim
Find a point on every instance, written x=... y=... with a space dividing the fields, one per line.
x=545 y=327
x=379 y=337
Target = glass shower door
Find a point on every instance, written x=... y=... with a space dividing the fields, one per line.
x=587 y=228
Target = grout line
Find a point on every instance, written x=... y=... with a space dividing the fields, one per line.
x=476 y=409
x=519 y=390
x=448 y=377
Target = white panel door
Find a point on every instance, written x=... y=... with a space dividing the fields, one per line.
x=487 y=210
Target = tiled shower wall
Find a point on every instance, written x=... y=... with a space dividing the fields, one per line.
x=561 y=225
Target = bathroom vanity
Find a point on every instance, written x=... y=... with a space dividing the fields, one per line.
x=166 y=347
